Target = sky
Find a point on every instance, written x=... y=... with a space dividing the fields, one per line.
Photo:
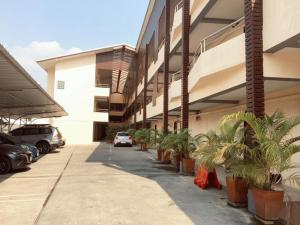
x=37 y=29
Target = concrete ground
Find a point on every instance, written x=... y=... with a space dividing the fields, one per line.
x=100 y=184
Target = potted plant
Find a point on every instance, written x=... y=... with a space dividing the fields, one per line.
x=171 y=149
x=157 y=140
x=181 y=145
x=143 y=137
x=222 y=149
x=131 y=132
x=268 y=153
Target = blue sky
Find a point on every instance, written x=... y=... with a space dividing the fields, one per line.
x=35 y=29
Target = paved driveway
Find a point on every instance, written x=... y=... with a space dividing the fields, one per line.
x=100 y=184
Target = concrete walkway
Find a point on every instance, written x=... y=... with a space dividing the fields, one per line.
x=100 y=184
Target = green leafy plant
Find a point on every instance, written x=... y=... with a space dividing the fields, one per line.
x=157 y=140
x=222 y=147
x=271 y=149
x=143 y=136
x=180 y=143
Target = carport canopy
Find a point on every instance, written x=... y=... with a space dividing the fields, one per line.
x=21 y=95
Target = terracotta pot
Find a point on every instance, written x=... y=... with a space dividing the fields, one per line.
x=237 y=190
x=177 y=159
x=188 y=166
x=159 y=154
x=144 y=147
x=268 y=204
x=166 y=157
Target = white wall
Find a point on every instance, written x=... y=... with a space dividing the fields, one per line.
x=78 y=99
x=281 y=21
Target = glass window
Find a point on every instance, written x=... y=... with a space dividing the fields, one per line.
x=30 y=131
x=45 y=130
x=122 y=134
x=17 y=132
x=60 y=84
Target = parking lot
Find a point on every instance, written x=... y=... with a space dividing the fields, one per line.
x=100 y=184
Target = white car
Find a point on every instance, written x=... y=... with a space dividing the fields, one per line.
x=123 y=138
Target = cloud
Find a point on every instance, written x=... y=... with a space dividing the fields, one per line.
x=28 y=55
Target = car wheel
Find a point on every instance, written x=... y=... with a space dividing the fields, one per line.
x=5 y=165
x=43 y=147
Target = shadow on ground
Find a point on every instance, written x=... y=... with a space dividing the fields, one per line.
x=201 y=206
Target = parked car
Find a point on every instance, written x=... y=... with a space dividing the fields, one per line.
x=123 y=138
x=8 y=139
x=62 y=141
x=13 y=157
x=44 y=136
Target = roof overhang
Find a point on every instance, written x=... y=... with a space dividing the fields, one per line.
x=21 y=95
x=50 y=62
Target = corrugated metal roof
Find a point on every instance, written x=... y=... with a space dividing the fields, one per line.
x=20 y=95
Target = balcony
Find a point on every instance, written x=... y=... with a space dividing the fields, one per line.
x=219 y=51
x=102 y=91
x=158 y=63
x=281 y=25
x=153 y=110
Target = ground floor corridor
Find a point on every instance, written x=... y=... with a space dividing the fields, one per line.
x=101 y=184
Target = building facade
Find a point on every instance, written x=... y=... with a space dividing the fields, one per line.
x=195 y=61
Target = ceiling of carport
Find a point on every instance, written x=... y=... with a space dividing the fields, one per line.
x=20 y=95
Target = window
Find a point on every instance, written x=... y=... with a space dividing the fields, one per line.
x=45 y=130
x=122 y=134
x=60 y=84
x=101 y=104
x=103 y=78
x=30 y=131
x=17 y=132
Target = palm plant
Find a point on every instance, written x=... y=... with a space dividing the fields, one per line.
x=220 y=148
x=180 y=143
x=143 y=137
x=157 y=140
x=271 y=148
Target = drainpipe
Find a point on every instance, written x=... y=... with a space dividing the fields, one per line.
x=166 y=68
x=185 y=64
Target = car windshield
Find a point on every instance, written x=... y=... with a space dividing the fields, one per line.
x=123 y=134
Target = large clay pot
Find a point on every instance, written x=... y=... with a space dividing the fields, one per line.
x=144 y=147
x=159 y=154
x=188 y=166
x=268 y=204
x=177 y=159
x=237 y=190
x=166 y=157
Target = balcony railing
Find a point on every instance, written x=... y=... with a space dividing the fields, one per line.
x=178 y=6
x=175 y=76
x=224 y=34
x=99 y=85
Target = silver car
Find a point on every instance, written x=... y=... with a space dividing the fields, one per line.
x=45 y=137
x=123 y=138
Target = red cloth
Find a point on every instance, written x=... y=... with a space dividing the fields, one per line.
x=204 y=178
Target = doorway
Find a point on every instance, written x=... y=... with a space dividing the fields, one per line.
x=99 y=131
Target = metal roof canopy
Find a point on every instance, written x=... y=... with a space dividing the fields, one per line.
x=21 y=95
